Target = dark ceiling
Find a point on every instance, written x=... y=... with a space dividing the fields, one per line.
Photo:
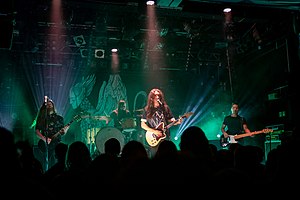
x=121 y=23
x=192 y=32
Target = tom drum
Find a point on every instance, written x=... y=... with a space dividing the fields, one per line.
x=129 y=124
x=105 y=134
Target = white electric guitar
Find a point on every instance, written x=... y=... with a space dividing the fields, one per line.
x=233 y=138
x=153 y=139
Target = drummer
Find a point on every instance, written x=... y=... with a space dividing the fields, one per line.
x=120 y=114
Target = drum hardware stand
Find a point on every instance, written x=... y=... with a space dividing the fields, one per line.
x=91 y=137
x=47 y=150
x=128 y=135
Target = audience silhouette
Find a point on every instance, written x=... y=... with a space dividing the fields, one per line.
x=195 y=163
x=59 y=167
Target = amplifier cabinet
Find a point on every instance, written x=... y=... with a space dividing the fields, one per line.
x=269 y=145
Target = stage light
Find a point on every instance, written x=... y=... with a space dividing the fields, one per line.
x=99 y=53
x=83 y=53
x=114 y=50
x=227 y=10
x=150 y=3
x=227 y=15
x=228 y=24
x=79 y=40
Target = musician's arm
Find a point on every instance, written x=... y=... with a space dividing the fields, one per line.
x=223 y=130
x=246 y=129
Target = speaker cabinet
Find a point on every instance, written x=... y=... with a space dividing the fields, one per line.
x=269 y=145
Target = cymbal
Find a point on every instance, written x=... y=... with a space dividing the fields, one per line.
x=96 y=117
x=100 y=117
x=139 y=110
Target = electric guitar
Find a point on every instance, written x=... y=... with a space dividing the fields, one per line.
x=153 y=139
x=233 y=138
x=42 y=144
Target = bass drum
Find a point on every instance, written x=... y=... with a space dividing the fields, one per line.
x=107 y=133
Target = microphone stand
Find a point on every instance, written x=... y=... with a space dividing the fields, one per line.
x=46 y=137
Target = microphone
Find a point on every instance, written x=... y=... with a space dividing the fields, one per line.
x=158 y=100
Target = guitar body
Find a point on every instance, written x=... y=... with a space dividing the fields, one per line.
x=153 y=139
x=226 y=141
x=56 y=138
x=51 y=146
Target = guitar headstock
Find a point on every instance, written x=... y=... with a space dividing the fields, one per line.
x=77 y=118
x=267 y=130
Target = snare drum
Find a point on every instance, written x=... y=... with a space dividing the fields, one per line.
x=129 y=124
x=107 y=133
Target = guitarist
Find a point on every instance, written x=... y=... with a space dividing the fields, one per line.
x=234 y=124
x=157 y=113
x=48 y=123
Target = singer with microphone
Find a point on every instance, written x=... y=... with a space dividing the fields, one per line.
x=156 y=116
x=48 y=124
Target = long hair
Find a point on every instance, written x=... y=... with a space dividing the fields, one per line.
x=42 y=113
x=150 y=101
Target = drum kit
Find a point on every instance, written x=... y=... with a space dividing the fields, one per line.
x=105 y=134
x=129 y=126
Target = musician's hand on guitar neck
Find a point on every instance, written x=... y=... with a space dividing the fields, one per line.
x=179 y=121
x=64 y=130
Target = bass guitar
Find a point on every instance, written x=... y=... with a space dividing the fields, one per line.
x=224 y=142
x=50 y=145
x=153 y=140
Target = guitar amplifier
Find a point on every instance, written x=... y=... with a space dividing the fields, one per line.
x=277 y=128
x=269 y=145
x=272 y=137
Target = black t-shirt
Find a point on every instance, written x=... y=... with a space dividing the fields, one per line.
x=54 y=122
x=234 y=124
x=118 y=116
x=160 y=115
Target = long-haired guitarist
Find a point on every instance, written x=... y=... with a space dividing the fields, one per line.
x=156 y=116
x=234 y=124
x=48 y=124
